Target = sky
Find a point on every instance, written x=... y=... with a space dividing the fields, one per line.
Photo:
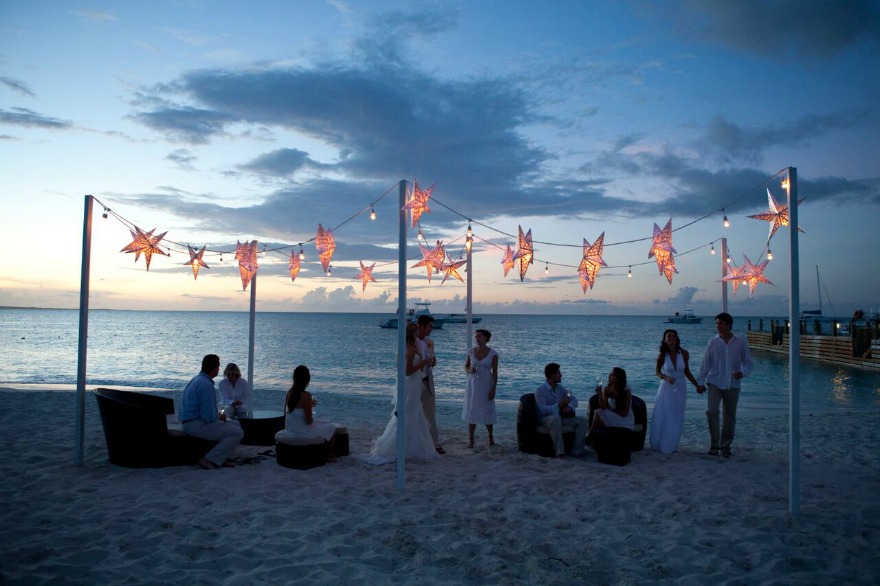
x=230 y=121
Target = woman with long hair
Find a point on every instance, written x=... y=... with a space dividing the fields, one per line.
x=481 y=365
x=299 y=422
x=615 y=402
x=667 y=418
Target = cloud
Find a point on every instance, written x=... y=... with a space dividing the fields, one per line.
x=184 y=124
x=183 y=158
x=282 y=163
x=29 y=118
x=17 y=86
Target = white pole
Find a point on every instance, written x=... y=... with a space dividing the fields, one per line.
x=252 y=329
x=401 y=335
x=470 y=291
x=794 y=350
x=83 y=349
x=724 y=254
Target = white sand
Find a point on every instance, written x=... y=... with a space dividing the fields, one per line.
x=474 y=517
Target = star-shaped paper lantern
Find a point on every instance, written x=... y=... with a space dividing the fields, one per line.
x=734 y=276
x=146 y=243
x=325 y=246
x=662 y=250
x=508 y=261
x=246 y=255
x=777 y=215
x=751 y=274
x=294 y=265
x=433 y=259
x=195 y=260
x=525 y=254
x=591 y=262
x=417 y=203
x=450 y=269
x=366 y=274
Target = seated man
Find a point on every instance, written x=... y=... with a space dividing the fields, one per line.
x=199 y=416
x=556 y=407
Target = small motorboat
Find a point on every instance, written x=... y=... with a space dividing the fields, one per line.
x=412 y=315
x=687 y=317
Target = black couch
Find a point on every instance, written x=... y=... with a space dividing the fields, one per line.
x=137 y=434
x=528 y=438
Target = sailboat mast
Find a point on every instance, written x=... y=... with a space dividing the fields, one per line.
x=819 y=290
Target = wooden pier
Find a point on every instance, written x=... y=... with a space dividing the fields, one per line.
x=860 y=348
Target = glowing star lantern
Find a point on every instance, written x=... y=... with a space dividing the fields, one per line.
x=591 y=262
x=417 y=203
x=734 y=276
x=246 y=255
x=366 y=274
x=433 y=259
x=294 y=265
x=662 y=250
x=508 y=261
x=195 y=260
x=325 y=246
x=146 y=243
x=777 y=215
x=450 y=269
x=525 y=254
x=751 y=275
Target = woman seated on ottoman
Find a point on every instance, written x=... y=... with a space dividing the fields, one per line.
x=615 y=403
x=299 y=424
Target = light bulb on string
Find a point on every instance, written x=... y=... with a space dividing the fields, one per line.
x=221 y=258
x=713 y=250
x=469 y=232
x=421 y=236
x=629 y=275
x=725 y=221
x=547 y=269
x=104 y=215
x=728 y=258
x=302 y=255
x=329 y=270
x=769 y=254
x=372 y=213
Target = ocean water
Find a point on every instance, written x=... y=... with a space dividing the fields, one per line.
x=349 y=354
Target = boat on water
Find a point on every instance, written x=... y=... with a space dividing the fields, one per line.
x=687 y=317
x=412 y=315
x=460 y=318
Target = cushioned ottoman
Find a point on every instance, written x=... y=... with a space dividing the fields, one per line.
x=340 y=446
x=300 y=454
x=613 y=445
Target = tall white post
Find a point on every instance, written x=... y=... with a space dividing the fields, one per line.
x=401 y=335
x=470 y=291
x=794 y=350
x=83 y=350
x=724 y=254
x=251 y=331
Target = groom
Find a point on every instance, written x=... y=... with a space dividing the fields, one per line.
x=425 y=348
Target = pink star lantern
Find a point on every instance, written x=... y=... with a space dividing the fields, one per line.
x=734 y=275
x=325 y=246
x=433 y=259
x=144 y=242
x=366 y=274
x=246 y=255
x=777 y=215
x=508 y=261
x=294 y=265
x=195 y=260
x=752 y=274
x=451 y=270
x=591 y=262
x=663 y=250
x=417 y=203
x=525 y=254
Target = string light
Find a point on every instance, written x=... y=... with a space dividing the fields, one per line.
x=629 y=275
x=302 y=255
x=329 y=270
x=713 y=250
x=421 y=236
x=104 y=215
x=372 y=213
x=769 y=254
x=469 y=232
x=221 y=258
x=728 y=258
x=547 y=269
x=726 y=222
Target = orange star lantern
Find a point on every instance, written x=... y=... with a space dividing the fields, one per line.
x=751 y=274
x=525 y=254
x=417 y=203
x=195 y=260
x=508 y=261
x=366 y=274
x=450 y=269
x=433 y=259
x=146 y=243
x=294 y=265
x=734 y=276
x=663 y=250
x=591 y=262
x=777 y=215
x=246 y=254
x=325 y=246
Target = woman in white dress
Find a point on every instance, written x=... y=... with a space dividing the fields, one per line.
x=481 y=365
x=299 y=422
x=419 y=443
x=615 y=402
x=233 y=391
x=667 y=417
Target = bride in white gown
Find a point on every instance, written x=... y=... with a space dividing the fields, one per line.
x=667 y=418
x=419 y=443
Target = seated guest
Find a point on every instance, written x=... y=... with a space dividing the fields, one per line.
x=556 y=407
x=615 y=403
x=234 y=391
x=198 y=414
x=299 y=424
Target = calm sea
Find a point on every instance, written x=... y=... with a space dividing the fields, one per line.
x=351 y=354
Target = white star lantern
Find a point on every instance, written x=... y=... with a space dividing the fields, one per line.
x=433 y=259
x=662 y=250
x=146 y=243
x=246 y=255
x=366 y=274
x=777 y=215
x=508 y=261
x=417 y=203
x=525 y=254
x=195 y=261
x=750 y=274
x=294 y=265
x=591 y=262
x=325 y=245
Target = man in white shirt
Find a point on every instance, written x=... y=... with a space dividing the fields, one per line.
x=556 y=409
x=726 y=361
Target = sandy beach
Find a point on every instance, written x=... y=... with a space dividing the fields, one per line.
x=482 y=516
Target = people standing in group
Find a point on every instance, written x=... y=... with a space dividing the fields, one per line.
x=481 y=365
x=234 y=391
x=615 y=402
x=200 y=418
x=418 y=440
x=726 y=362
x=556 y=409
x=667 y=418
x=299 y=422
x=425 y=347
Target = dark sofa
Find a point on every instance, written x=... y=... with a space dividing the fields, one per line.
x=137 y=434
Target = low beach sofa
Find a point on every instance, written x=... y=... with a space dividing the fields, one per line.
x=614 y=445
x=141 y=431
x=533 y=438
